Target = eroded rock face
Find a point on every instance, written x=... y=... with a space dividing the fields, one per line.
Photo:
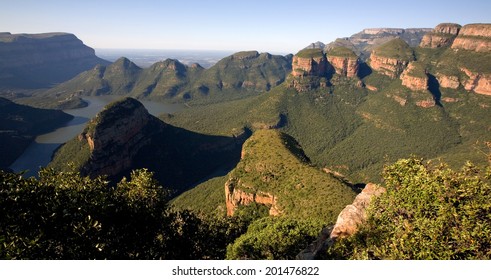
x=115 y=136
x=477 y=82
x=354 y=214
x=345 y=66
x=474 y=37
x=442 y=36
x=414 y=77
x=448 y=81
x=391 y=67
x=311 y=66
x=309 y=70
x=235 y=197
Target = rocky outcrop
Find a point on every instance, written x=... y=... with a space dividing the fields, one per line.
x=391 y=67
x=477 y=82
x=235 y=197
x=414 y=77
x=115 y=136
x=42 y=59
x=354 y=214
x=350 y=218
x=474 y=37
x=391 y=58
x=311 y=62
x=344 y=61
x=310 y=69
x=448 y=81
x=442 y=36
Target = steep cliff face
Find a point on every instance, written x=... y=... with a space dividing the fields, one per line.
x=442 y=35
x=477 y=82
x=310 y=69
x=414 y=76
x=42 y=59
x=391 y=58
x=344 y=61
x=235 y=197
x=311 y=62
x=115 y=136
x=474 y=37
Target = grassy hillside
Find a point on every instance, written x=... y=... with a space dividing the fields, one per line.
x=233 y=77
x=273 y=162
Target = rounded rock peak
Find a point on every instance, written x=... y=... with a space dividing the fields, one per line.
x=448 y=28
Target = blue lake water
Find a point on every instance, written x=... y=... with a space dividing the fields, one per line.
x=39 y=153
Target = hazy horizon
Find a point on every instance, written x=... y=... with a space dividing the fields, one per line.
x=266 y=26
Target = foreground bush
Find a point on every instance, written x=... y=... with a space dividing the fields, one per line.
x=428 y=212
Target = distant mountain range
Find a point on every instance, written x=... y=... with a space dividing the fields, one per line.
x=363 y=42
x=42 y=60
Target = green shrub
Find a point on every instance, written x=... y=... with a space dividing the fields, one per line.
x=428 y=212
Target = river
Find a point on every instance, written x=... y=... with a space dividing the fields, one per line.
x=39 y=152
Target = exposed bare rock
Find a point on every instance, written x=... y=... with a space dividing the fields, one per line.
x=344 y=61
x=350 y=218
x=391 y=67
x=354 y=214
x=442 y=36
x=414 y=77
x=474 y=37
x=114 y=137
x=448 y=81
x=312 y=63
x=391 y=58
x=477 y=82
x=309 y=70
x=426 y=103
x=235 y=197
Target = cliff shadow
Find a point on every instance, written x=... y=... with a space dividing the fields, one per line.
x=182 y=159
x=364 y=70
x=434 y=89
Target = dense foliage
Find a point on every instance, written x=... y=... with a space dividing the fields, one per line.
x=274 y=239
x=65 y=216
x=428 y=212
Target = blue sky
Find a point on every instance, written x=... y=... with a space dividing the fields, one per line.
x=273 y=26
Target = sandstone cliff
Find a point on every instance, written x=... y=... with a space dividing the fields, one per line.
x=414 y=76
x=344 y=61
x=310 y=70
x=28 y=60
x=311 y=62
x=474 y=37
x=115 y=136
x=391 y=58
x=442 y=35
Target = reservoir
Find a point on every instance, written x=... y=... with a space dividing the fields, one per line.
x=39 y=153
